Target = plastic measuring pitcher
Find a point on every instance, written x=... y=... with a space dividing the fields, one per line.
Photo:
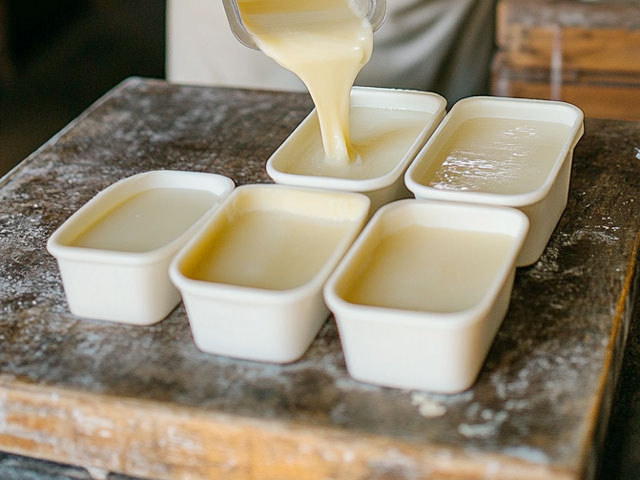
x=375 y=13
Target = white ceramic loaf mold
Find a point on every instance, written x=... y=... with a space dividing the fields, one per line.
x=114 y=252
x=542 y=196
x=421 y=294
x=252 y=279
x=285 y=165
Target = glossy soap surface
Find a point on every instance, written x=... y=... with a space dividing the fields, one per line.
x=266 y=249
x=429 y=269
x=147 y=220
x=381 y=136
x=497 y=155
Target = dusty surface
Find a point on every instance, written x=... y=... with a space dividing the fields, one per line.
x=542 y=398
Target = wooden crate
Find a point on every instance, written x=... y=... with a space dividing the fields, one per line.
x=584 y=53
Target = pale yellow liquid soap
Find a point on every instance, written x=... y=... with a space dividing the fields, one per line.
x=381 y=136
x=147 y=220
x=266 y=249
x=430 y=269
x=325 y=43
x=497 y=155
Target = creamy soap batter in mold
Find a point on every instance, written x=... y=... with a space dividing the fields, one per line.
x=381 y=136
x=266 y=249
x=421 y=293
x=252 y=279
x=114 y=252
x=146 y=221
x=503 y=151
x=388 y=129
x=430 y=269
x=497 y=155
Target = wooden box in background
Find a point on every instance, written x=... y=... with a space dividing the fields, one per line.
x=585 y=53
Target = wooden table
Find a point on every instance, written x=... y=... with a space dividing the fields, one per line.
x=145 y=402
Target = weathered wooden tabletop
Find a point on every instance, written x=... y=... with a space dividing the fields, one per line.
x=144 y=401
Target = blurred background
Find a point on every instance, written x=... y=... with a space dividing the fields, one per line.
x=57 y=57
